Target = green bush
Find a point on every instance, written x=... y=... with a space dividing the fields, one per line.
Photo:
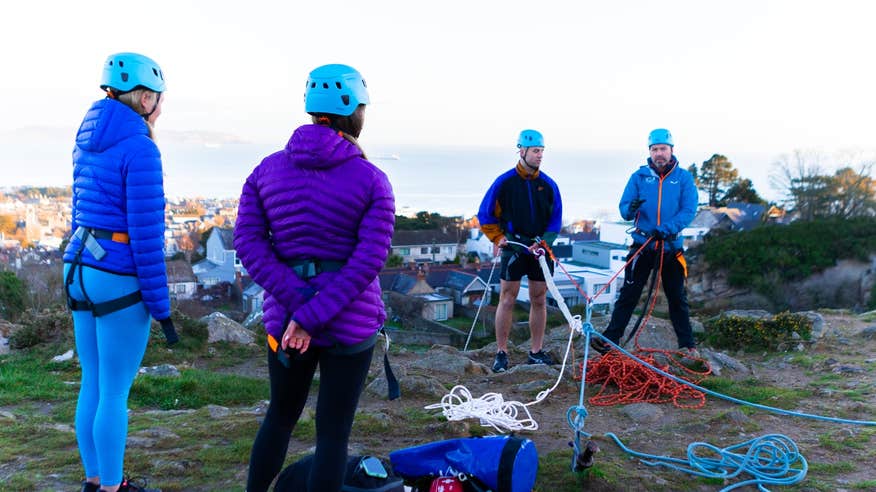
x=43 y=327
x=12 y=295
x=766 y=257
x=741 y=333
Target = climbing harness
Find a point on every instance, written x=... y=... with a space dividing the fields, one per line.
x=88 y=240
x=88 y=237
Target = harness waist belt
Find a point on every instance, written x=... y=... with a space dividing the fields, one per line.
x=116 y=237
x=648 y=234
x=103 y=308
x=306 y=269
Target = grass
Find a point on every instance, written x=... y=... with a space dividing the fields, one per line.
x=831 y=468
x=31 y=376
x=195 y=388
x=839 y=443
x=755 y=391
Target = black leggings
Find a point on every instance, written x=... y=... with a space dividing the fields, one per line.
x=342 y=378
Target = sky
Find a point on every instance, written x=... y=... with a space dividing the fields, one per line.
x=751 y=79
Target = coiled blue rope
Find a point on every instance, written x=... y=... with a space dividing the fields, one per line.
x=772 y=459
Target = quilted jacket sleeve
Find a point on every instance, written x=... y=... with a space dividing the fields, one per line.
x=687 y=205
x=252 y=241
x=363 y=266
x=145 y=215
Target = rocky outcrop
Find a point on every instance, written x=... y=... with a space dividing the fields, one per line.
x=846 y=285
x=223 y=328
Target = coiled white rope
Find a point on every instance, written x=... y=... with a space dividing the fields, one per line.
x=491 y=409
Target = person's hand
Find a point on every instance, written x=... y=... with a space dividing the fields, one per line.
x=635 y=205
x=500 y=245
x=295 y=338
x=660 y=233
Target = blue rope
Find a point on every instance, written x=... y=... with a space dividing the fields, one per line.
x=772 y=459
x=576 y=415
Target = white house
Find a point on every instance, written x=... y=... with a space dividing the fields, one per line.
x=589 y=279
x=616 y=232
x=221 y=264
x=181 y=280
x=600 y=254
x=427 y=245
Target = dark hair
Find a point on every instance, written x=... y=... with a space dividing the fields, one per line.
x=349 y=127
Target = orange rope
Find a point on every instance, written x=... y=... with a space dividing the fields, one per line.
x=636 y=383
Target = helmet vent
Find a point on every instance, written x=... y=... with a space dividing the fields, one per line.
x=124 y=76
x=121 y=63
x=338 y=85
x=324 y=85
x=313 y=85
x=345 y=99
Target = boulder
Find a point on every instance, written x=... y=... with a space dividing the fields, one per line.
x=223 y=328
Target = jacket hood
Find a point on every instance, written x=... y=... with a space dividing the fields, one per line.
x=107 y=123
x=319 y=147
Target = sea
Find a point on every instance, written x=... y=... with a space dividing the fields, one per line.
x=447 y=180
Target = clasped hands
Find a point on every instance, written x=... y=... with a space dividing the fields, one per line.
x=295 y=337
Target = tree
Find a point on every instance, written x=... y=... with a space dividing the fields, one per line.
x=8 y=224
x=742 y=191
x=855 y=193
x=12 y=295
x=715 y=177
x=799 y=178
x=813 y=194
x=394 y=261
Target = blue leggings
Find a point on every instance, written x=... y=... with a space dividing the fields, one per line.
x=110 y=350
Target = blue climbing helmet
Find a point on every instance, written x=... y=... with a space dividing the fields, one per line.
x=125 y=72
x=335 y=89
x=530 y=138
x=660 y=136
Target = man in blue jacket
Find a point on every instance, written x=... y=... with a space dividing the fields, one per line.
x=661 y=199
x=523 y=204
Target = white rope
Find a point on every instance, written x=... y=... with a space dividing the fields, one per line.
x=491 y=409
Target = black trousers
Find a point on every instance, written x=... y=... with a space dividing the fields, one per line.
x=342 y=378
x=637 y=275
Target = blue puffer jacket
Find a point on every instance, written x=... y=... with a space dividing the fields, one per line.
x=118 y=186
x=670 y=202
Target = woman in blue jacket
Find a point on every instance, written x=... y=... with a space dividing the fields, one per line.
x=114 y=270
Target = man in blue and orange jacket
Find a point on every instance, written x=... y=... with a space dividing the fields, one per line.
x=661 y=199
x=522 y=206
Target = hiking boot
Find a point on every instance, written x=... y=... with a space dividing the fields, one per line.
x=540 y=357
x=599 y=346
x=500 y=363
x=90 y=487
x=128 y=486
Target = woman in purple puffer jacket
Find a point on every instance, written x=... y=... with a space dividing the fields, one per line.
x=314 y=229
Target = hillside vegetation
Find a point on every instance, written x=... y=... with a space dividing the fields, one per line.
x=788 y=253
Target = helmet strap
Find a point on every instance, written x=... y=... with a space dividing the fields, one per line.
x=154 y=107
x=525 y=163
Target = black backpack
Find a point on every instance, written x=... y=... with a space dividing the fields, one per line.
x=293 y=478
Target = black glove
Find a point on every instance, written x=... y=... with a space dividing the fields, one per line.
x=660 y=233
x=169 y=331
x=635 y=205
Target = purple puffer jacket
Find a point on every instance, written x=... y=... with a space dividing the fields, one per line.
x=317 y=199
